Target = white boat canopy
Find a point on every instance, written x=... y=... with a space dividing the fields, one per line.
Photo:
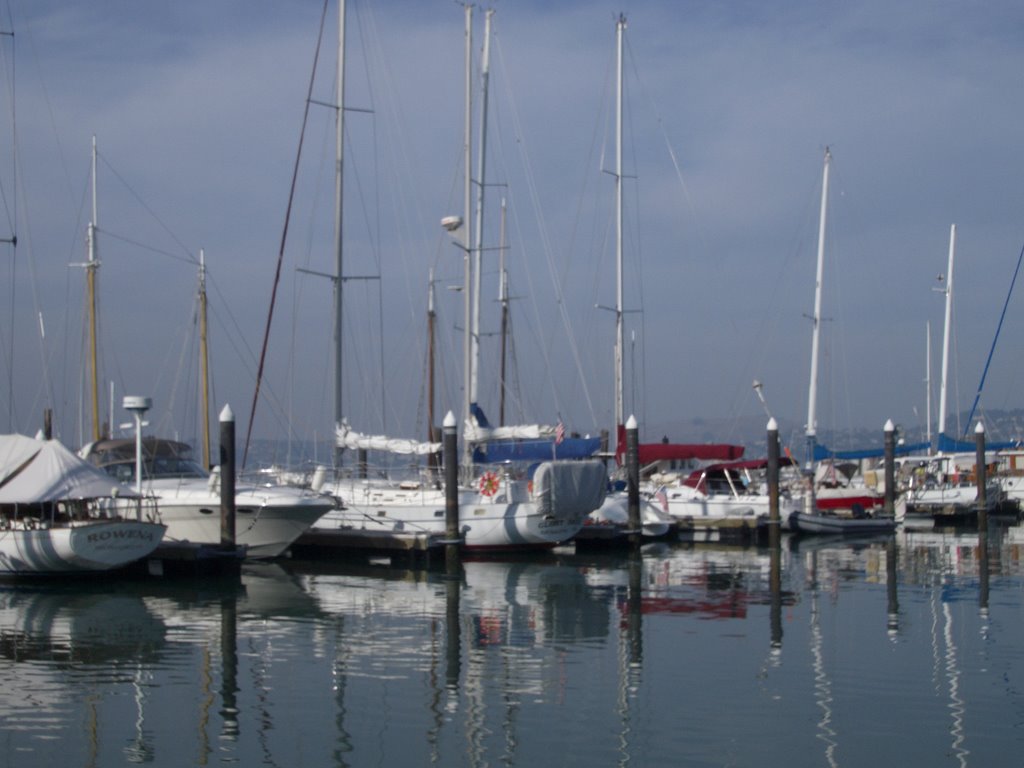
x=33 y=471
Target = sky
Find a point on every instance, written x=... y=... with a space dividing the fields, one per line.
x=197 y=109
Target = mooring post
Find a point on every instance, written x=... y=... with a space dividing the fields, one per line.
x=451 y=482
x=773 y=476
x=633 y=480
x=227 y=477
x=890 y=467
x=979 y=475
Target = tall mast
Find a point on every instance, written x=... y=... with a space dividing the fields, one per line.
x=945 y=333
x=620 y=28
x=474 y=336
x=204 y=361
x=812 y=399
x=339 y=188
x=90 y=281
x=928 y=381
x=503 y=300
x=431 y=319
x=467 y=360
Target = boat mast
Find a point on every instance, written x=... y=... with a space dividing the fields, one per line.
x=433 y=459
x=91 y=267
x=467 y=241
x=928 y=381
x=503 y=300
x=474 y=336
x=204 y=361
x=620 y=27
x=812 y=399
x=945 y=333
x=339 y=189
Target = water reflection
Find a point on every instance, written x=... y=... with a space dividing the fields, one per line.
x=621 y=659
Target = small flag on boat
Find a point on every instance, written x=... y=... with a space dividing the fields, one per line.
x=663 y=498
x=559 y=433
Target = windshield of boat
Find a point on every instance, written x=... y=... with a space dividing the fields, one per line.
x=156 y=468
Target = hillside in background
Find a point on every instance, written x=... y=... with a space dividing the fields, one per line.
x=751 y=431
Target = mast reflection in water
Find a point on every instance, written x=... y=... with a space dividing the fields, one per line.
x=677 y=654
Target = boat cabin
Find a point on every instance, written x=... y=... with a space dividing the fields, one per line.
x=161 y=458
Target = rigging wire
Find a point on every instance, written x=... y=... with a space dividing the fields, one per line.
x=284 y=238
x=991 y=352
x=10 y=208
x=546 y=248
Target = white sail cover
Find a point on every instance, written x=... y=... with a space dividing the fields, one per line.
x=474 y=433
x=346 y=438
x=33 y=471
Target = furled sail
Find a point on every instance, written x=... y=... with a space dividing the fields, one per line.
x=347 y=438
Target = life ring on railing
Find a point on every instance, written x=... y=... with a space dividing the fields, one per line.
x=488 y=484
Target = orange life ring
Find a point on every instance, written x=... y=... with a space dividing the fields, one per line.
x=489 y=484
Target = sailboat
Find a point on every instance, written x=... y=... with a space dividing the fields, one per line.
x=813 y=517
x=658 y=509
x=187 y=494
x=941 y=485
x=520 y=500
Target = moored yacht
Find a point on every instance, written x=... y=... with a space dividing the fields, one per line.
x=268 y=517
x=725 y=490
x=59 y=515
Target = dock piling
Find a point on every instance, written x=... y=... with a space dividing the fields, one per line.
x=227 y=478
x=890 y=467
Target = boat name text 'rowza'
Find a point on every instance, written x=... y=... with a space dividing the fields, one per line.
x=94 y=538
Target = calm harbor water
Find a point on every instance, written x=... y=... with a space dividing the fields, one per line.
x=907 y=650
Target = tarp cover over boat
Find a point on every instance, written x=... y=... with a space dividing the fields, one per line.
x=569 y=488
x=821 y=452
x=651 y=452
x=34 y=471
x=947 y=444
x=699 y=477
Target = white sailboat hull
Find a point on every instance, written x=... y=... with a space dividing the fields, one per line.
x=688 y=504
x=955 y=496
x=515 y=516
x=95 y=545
x=483 y=523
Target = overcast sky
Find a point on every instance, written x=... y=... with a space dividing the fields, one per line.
x=197 y=109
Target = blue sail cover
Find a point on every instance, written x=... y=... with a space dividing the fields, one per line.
x=821 y=452
x=542 y=449
x=948 y=444
x=536 y=450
